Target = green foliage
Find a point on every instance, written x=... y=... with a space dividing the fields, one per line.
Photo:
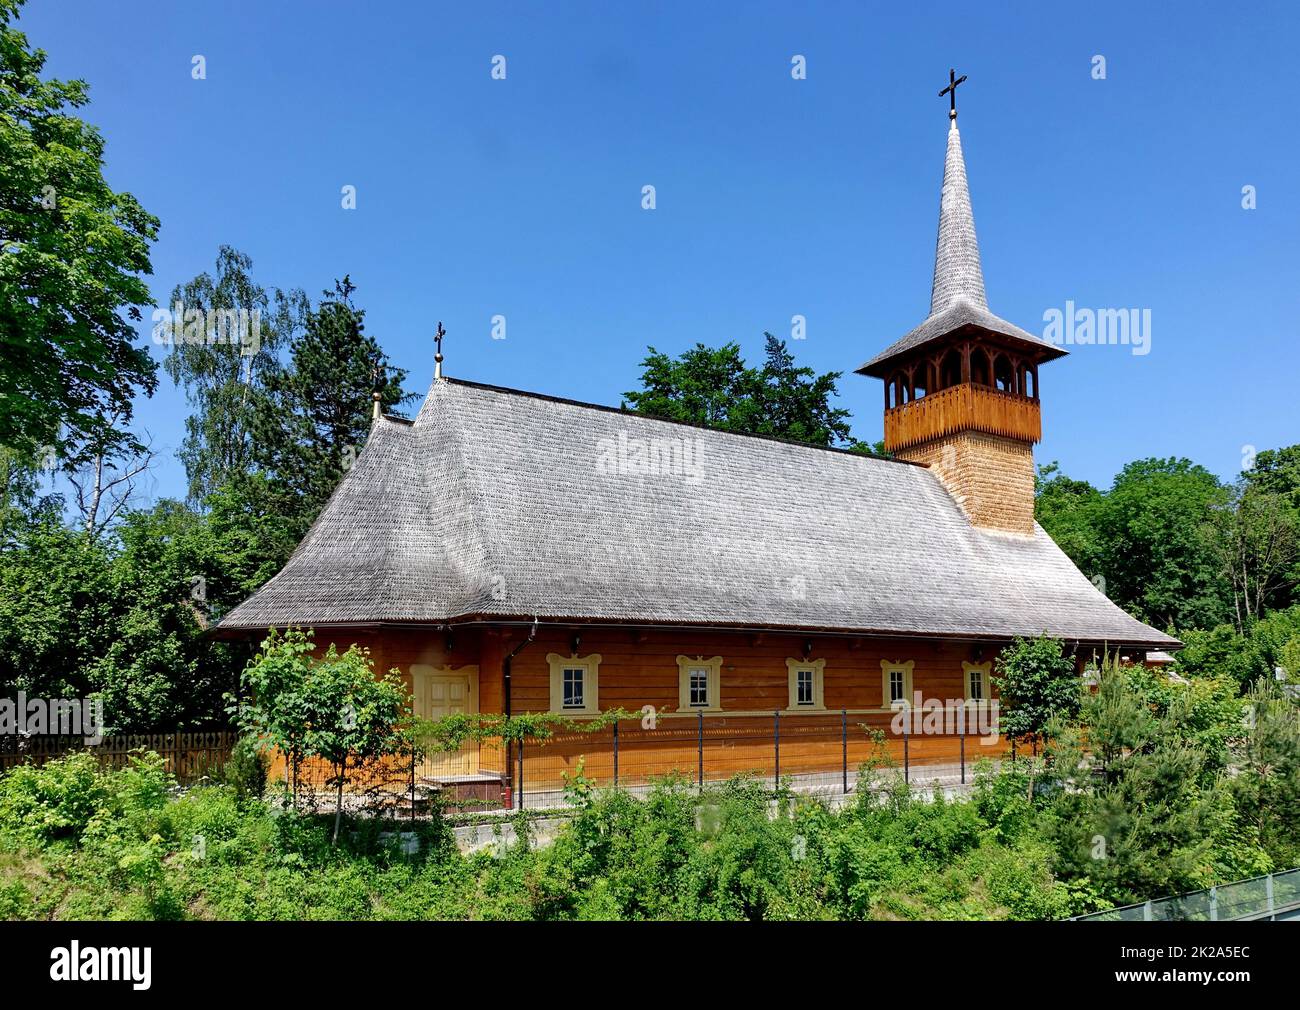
x=52 y=801
x=1267 y=791
x=1139 y=816
x=316 y=415
x=121 y=618
x=1036 y=684
x=449 y=733
x=72 y=256
x=1002 y=799
x=1177 y=548
x=79 y=842
x=224 y=375
x=250 y=536
x=1243 y=658
x=271 y=707
x=1145 y=537
x=1277 y=471
x=332 y=707
x=715 y=388
x=1255 y=538
x=247 y=769
x=1069 y=510
x=1154 y=519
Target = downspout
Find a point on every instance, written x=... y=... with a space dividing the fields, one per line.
x=505 y=665
x=506 y=703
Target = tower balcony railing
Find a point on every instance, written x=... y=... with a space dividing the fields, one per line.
x=964 y=407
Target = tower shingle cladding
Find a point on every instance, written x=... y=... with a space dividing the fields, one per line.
x=991 y=477
x=957 y=271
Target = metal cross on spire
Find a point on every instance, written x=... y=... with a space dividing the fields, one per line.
x=437 y=357
x=375 y=395
x=951 y=91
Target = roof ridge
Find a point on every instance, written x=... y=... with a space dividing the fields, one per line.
x=474 y=492
x=624 y=412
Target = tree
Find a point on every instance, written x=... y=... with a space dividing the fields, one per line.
x=1157 y=561
x=703 y=386
x=1256 y=538
x=713 y=387
x=794 y=402
x=1150 y=828
x=269 y=704
x=1036 y=684
x=1277 y=471
x=1267 y=786
x=156 y=669
x=250 y=539
x=19 y=492
x=72 y=256
x=1223 y=651
x=104 y=474
x=1119 y=720
x=353 y=715
x=317 y=414
x=1069 y=510
x=119 y=616
x=57 y=605
x=334 y=708
x=224 y=335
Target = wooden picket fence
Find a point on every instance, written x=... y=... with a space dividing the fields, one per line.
x=189 y=756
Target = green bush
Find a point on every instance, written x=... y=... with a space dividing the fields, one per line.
x=52 y=801
x=247 y=769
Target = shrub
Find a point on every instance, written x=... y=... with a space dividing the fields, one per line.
x=52 y=801
x=247 y=769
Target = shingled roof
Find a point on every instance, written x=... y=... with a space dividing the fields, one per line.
x=957 y=296
x=499 y=504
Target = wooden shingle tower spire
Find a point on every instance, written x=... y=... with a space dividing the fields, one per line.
x=961 y=389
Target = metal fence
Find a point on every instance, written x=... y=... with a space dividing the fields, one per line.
x=1274 y=895
x=812 y=752
x=820 y=753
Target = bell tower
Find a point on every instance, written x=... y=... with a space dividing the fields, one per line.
x=961 y=389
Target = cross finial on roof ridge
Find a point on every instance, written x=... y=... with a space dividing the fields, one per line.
x=437 y=357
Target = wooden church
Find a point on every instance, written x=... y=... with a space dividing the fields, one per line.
x=511 y=552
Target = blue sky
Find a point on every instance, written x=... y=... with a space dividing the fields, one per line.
x=775 y=197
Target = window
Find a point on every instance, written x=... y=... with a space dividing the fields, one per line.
x=699 y=686
x=699 y=683
x=896 y=683
x=572 y=676
x=806 y=683
x=574 y=683
x=976 y=676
